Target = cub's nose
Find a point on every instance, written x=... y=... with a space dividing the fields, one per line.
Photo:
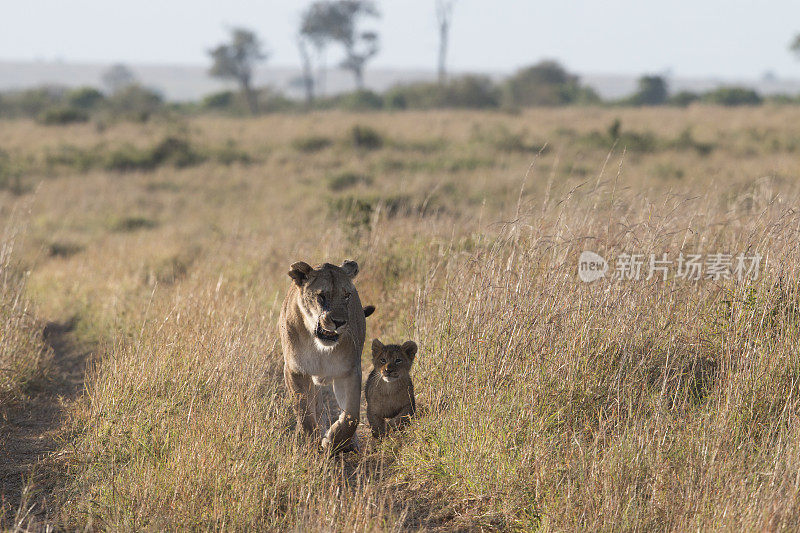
x=339 y=323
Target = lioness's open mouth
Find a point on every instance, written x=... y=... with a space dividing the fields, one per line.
x=325 y=335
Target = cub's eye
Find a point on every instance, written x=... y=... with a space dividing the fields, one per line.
x=321 y=299
x=346 y=297
x=383 y=361
x=398 y=361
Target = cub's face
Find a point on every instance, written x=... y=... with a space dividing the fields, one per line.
x=325 y=294
x=393 y=361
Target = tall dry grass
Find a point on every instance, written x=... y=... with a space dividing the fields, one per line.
x=545 y=403
x=23 y=355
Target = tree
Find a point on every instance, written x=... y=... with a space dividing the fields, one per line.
x=795 y=46
x=444 y=15
x=652 y=91
x=316 y=27
x=118 y=77
x=235 y=61
x=338 y=21
x=308 y=69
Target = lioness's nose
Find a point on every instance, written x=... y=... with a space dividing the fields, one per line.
x=339 y=323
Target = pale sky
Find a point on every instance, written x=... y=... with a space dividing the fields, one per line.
x=726 y=38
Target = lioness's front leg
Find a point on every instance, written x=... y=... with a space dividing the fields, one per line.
x=348 y=395
x=304 y=398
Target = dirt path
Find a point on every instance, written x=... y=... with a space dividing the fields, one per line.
x=33 y=430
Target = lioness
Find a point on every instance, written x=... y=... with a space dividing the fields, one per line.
x=322 y=327
x=389 y=390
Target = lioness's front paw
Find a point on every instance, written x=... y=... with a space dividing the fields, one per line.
x=329 y=446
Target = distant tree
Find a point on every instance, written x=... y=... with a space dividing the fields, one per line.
x=444 y=16
x=307 y=78
x=118 y=77
x=795 y=46
x=652 y=90
x=357 y=57
x=316 y=27
x=235 y=60
x=338 y=21
x=84 y=97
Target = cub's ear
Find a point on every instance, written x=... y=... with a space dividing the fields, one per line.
x=299 y=272
x=368 y=310
x=350 y=268
x=410 y=349
x=377 y=346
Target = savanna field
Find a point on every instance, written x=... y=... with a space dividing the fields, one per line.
x=160 y=251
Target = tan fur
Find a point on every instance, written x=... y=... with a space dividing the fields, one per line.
x=323 y=302
x=389 y=389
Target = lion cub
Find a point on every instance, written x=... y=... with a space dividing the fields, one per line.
x=389 y=391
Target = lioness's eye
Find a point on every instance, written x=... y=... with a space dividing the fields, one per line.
x=398 y=361
x=383 y=361
x=321 y=299
x=346 y=297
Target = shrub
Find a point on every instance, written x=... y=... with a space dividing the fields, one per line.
x=395 y=99
x=63 y=115
x=312 y=143
x=220 y=100
x=733 y=96
x=273 y=102
x=177 y=151
x=365 y=138
x=472 y=92
x=128 y=158
x=782 y=99
x=132 y=223
x=33 y=102
x=360 y=101
x=230 y=153
x=71 y=157
x=172 y=150
x=64 y=249
x=684 y=98
x=545 y=84
x=477 y=92
x=348 y=179
x=86 y=98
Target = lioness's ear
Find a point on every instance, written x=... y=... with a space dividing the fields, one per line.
x=350 y=268
x=377 y=346
x=410 y=349
x=299 y=272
